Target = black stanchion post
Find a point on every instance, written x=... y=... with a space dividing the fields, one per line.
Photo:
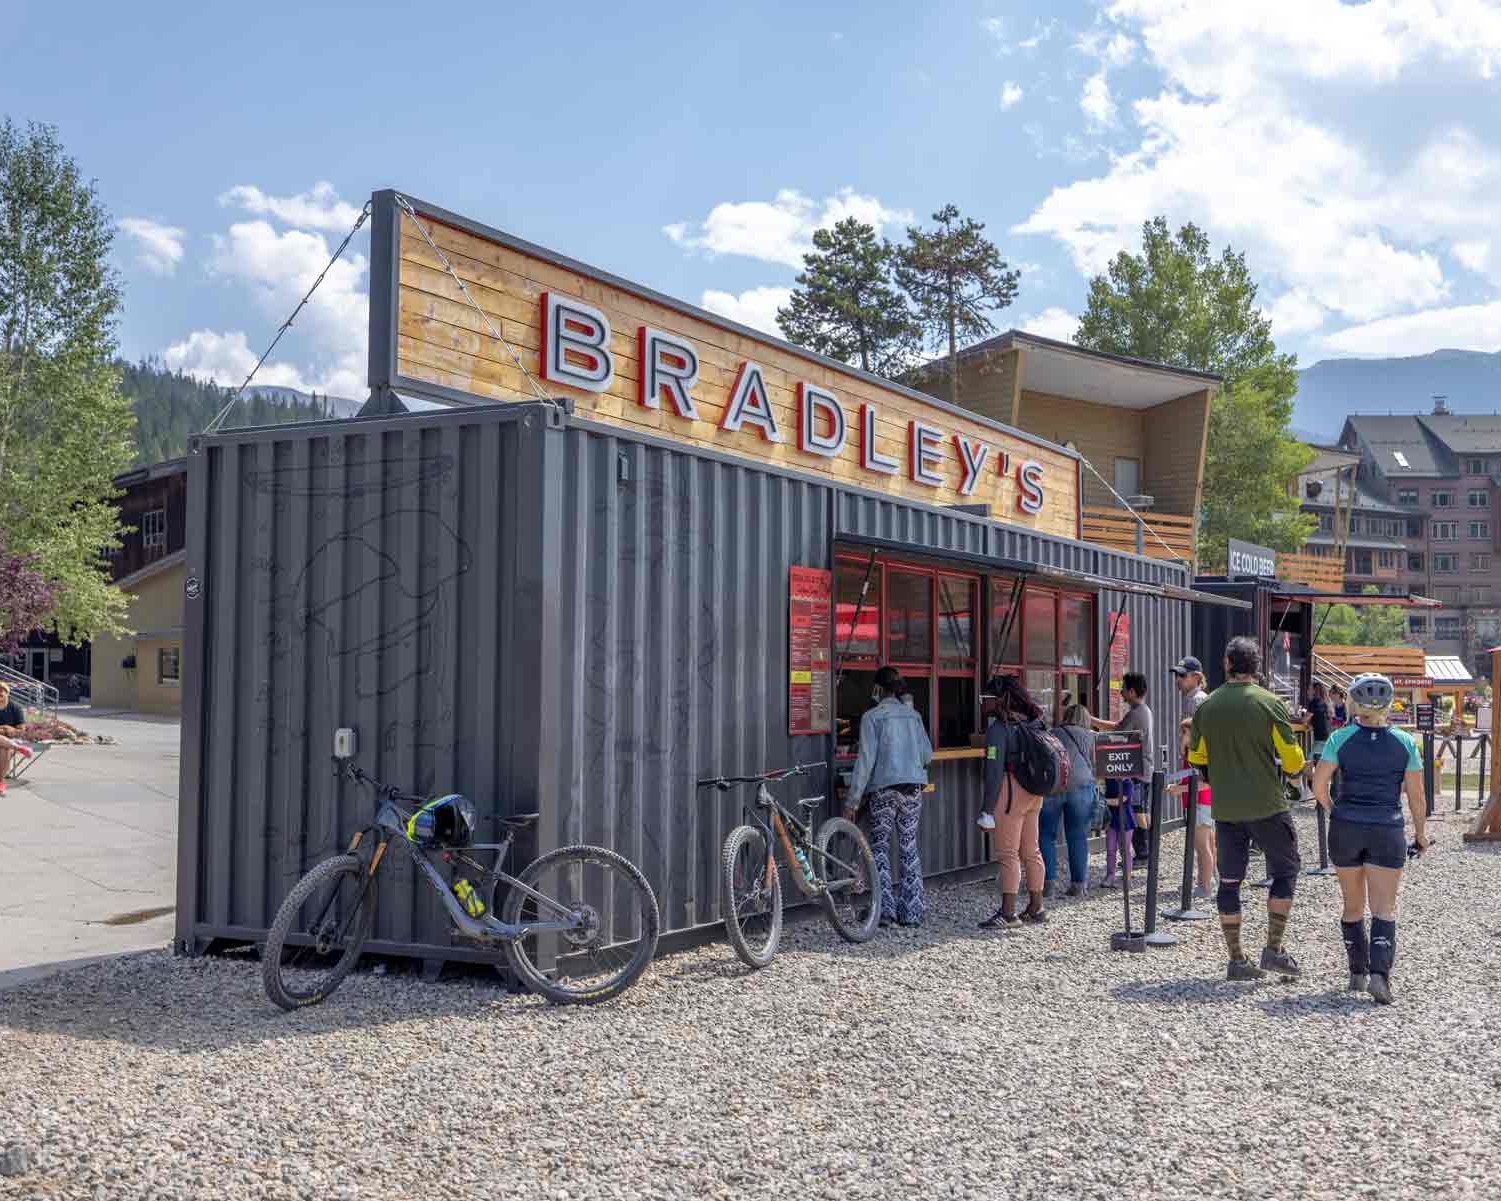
x=1323 y=868
x=1185 y=911
x=1482 y=752
x=1428 y=769
x=1155 y=937
x=1128 y=939
x=1459 y=769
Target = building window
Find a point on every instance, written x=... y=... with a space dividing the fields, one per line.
x=1387 y=560
x=1446 y=627
x=1050 y=644
x=169 y=665
x=1480 y=562
x=1443 y=500
x=1407 y=496
x=1415 y=527
x=1474 y=466
x=1360 y=562
x=1445 y=564
x=1415 y=563
x=1480 y=594
x=1128 y=477
x=1480 y=529
x=1417 y=624
x=1478 y=499
x=1445 y=531
x=1326 y=523
x=154 y=531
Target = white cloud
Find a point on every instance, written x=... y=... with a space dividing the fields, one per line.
x=1457 y=327
x=1116 y=50
x=158 y=247
x=996 y=28
x=755 y=307
x=1041 y=32
x=1054 y=322
x=1241 y=140
x=1295 y=313
x=226 y=359
x=1011 y=94
x=1096 y=102
x=779 y=230
x=320 y=208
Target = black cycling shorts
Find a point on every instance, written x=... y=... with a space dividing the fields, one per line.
x=1357 y=844
x=1274 y=836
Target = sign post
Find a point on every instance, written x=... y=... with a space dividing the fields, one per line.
x=1423 y=720
x=1154 y=936
x=1185 y=911
x=1119 y=756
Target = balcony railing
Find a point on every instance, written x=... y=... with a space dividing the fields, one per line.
x=1119 y=529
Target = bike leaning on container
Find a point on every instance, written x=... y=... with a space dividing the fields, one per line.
x=578 y=926
x=836 y=866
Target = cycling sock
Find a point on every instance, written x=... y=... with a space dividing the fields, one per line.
x=1356 y=946
x=1276 y=930
x=1383 y=945
x=1231 y=931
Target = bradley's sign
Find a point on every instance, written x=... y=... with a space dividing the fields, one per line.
x=627 y=356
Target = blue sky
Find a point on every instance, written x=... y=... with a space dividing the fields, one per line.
x=1353 y=150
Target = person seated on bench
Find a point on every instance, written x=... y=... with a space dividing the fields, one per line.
x=12 y=720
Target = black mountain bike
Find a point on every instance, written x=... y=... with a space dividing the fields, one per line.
x=578 y=926
x=836 y=866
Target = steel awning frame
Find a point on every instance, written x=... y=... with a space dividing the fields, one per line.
x=1044 y=573
x=1409 y=601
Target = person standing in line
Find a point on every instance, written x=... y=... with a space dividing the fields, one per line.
x=1189 y=674
x=891 y=773
x=1341 y=712
x=1072 y=808
x=1018 y=718
x=1238 y=739
x=1367 y=843
x=1133 y=795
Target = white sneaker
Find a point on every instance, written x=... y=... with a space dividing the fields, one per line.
x=986 y=821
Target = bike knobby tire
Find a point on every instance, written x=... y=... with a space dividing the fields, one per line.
x=605 y=956
x=329 y=912
x=752 y=897
x=854 y=911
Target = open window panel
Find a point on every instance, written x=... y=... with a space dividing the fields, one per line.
x=1046 y=638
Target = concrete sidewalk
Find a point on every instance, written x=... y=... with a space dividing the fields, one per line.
x=88 y=848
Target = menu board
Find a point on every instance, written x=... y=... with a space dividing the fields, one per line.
x=1118 y=623
x=810 y=678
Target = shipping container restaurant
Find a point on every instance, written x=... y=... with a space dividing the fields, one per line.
x=588 y=544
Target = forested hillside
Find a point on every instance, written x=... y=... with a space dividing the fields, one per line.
x=170 y=407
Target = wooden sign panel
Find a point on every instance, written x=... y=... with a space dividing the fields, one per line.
x=628 y=356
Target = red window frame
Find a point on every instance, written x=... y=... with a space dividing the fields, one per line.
x=999 y=585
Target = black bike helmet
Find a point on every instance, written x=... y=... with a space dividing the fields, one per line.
x=445 y=821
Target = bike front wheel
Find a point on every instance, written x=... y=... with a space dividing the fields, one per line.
x=616 y=929
x=318 y=933
x=752 y=896
x=852 y=898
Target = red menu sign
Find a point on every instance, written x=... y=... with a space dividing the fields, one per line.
x=1120 y=657
x=810 y=679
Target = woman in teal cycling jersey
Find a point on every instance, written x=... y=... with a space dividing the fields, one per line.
x=1367 y=839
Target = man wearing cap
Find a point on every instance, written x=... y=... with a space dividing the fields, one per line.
x=1189 y=675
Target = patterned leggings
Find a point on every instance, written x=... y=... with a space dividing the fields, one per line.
x=901 y=806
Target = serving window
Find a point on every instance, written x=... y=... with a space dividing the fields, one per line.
x=946 y=631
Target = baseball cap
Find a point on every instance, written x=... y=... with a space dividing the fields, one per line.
x=1186 y=665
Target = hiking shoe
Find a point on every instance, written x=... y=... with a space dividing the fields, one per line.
x=1000 y=920
x=1243 y=969
x=1034 y=917
x=1358 y=982
x=1280 y=962
x=1075 y=890
x=986 y=821
x=1380 y=989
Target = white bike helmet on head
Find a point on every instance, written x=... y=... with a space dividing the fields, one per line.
x=1370 y=697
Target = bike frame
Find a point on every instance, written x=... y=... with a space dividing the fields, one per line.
x=777 y=821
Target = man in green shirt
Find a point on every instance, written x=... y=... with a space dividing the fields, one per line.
x=1241 y=739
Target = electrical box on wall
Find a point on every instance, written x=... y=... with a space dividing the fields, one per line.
x=345 y=743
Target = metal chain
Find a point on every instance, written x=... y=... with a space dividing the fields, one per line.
x=406 y=206
x=287 y=324
x=1127 y=506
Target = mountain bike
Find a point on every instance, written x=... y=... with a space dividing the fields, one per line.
x=836 y=866
x=578 y=926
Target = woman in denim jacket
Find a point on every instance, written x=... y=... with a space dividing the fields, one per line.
x=891 y=774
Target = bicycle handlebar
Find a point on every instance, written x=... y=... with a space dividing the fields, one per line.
x=724 y=783
x=348 y=767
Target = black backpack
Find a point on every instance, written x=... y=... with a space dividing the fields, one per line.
x=1038 y=760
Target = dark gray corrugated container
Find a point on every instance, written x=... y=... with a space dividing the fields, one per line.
x=537 y=611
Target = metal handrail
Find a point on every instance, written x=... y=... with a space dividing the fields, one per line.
x=31 y=692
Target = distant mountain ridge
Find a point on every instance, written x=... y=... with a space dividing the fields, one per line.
x=1331 y=390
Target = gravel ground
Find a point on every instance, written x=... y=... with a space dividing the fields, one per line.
x=945 y=1062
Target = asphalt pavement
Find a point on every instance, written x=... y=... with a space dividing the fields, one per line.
x=88 y=848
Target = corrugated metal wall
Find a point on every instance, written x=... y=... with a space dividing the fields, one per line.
x=538 y=614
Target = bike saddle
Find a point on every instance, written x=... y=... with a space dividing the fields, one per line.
x=519 y=821
x=811 y=802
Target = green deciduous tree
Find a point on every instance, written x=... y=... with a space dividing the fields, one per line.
x=1363 y=625
x=65 y=429
x=845 y=305
x=956 y=277
x=1179 y=304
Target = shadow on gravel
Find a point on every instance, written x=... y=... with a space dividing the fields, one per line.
x=1293 y=1004
x=1189 y=990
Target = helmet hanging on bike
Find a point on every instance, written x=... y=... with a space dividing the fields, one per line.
x=1370 y=698
x=445 y=821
